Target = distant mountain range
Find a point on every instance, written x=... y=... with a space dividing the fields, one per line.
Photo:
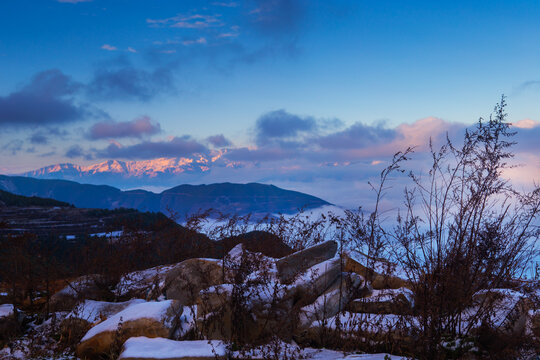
x=126 y=173
x=240 y=199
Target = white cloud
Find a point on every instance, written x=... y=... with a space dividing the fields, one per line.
x=200 y=40
x=73 y=1
x=109 y=47
x=197 y=21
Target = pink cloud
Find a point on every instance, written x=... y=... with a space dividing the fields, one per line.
x=526 y=124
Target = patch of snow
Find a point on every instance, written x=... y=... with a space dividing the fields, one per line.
x=367 y=322
x=187 y=320
x=389 y=295
x=93 y=311
x=159 y=348
x=147 y=310
x=140 y=280
x=316 y=271
x=6 y=310
x=110 y=234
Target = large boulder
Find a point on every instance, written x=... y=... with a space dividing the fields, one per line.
x=93 y=287
x=150 y=319
x=88 y=313
x=143 y=348
x=291 y=266
x=387 y=301
x=144 y=284
x=188 y=278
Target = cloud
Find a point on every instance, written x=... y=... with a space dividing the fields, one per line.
x=39 y=138
x=47 y=99
x=109 y=47
x=129 y=83
x=14 y=146
x=200 y=40
x=135 y=128
x=261 y=154
x=175 y=147
x=278 y=17
x=528 y=85
x=281 y=124
x=231 y=4
x=73 y=1
x=131 y=50
x=195 y=21
x=74 y=152
x=526 y=124
x=357 y=136
x=218 y=141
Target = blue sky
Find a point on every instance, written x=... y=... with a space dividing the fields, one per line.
x=261 y=81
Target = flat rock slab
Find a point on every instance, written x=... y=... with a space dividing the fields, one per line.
x=295 y=264
x=143 y=348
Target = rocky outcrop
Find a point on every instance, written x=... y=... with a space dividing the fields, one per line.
x=150 y=319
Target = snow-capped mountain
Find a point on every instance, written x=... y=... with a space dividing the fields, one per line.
x=122 y=173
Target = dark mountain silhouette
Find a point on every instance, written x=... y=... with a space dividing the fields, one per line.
x=227 y=198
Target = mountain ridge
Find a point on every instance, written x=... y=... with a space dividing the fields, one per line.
x=184 y=200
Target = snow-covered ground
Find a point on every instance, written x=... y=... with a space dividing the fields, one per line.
x=145 y=348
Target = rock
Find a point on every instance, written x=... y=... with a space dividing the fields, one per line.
x=144 y=284
x=91 y=287
x=388 y=301
x=95 y=311
x=88 y=313
x=510 y=310
x=334 y=299
x=151 y=319
x=315 y=281
x=187 y=279
x=258 y=241
x=297 y=263
x=143 y=348
x=9 y=323
x=379 y=280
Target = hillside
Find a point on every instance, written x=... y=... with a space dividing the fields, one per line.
x=9 y=199
x=239 y=199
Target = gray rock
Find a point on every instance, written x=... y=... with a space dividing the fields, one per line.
x=291 y=266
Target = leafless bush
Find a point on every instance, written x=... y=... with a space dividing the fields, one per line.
x=465 y=229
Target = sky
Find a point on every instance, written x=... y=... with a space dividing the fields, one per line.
x=314 y=96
